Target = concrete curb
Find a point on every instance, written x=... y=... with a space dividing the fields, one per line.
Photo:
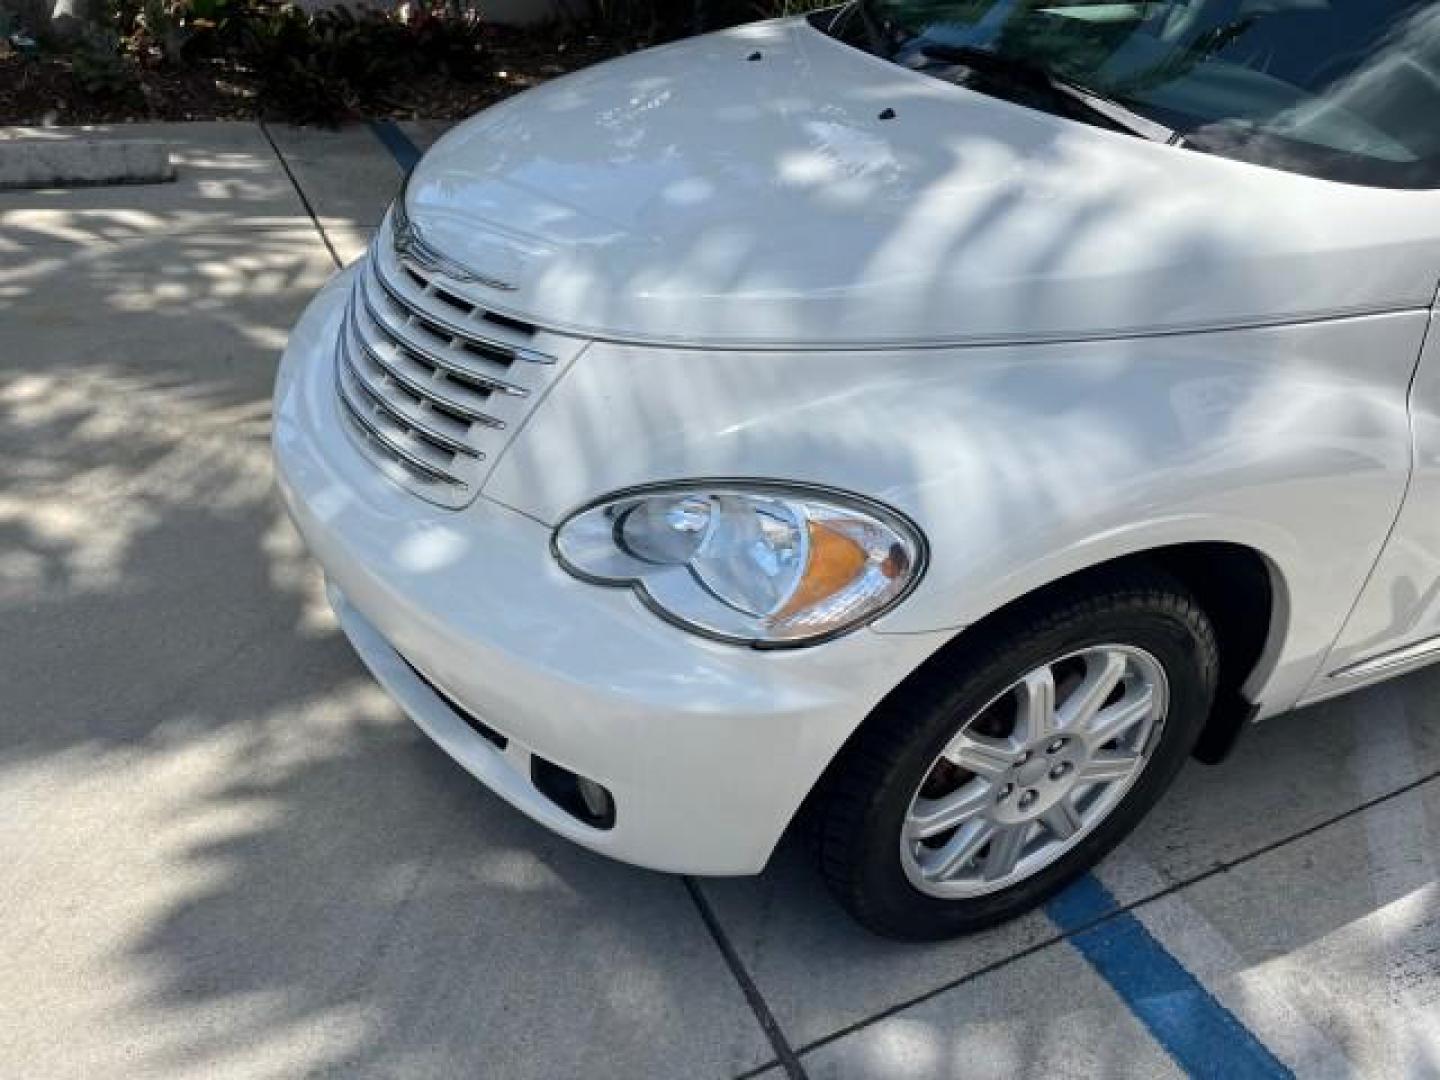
x=46 y=163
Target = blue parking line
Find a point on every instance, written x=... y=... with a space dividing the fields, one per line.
x=397 y=142
x=1203 y=1036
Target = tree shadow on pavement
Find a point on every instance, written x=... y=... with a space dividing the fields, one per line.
x=227 y=851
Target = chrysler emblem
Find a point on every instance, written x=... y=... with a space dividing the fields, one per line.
x=411 y=246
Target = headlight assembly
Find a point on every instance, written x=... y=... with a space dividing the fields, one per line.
x=761 y=564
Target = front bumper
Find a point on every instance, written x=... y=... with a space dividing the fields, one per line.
x=707 y=749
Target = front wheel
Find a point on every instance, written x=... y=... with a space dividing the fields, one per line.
x=1015 y=762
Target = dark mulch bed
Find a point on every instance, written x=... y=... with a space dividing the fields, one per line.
x=45 y=90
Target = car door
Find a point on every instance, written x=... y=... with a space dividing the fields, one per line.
x=1395 y=625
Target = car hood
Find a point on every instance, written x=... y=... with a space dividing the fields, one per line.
x=769 y=186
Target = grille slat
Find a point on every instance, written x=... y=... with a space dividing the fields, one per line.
x=466 y=329
x=441 y=354
x=426 y=385
x=407 y=416
x=394 y=446
x=431 y=397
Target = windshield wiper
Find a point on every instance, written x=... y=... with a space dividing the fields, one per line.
x=1032 y=75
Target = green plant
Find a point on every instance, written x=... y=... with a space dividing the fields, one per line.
x=314 y=68
x=334 y=64
x=99 y=66
x=662 y=19
x=774 y=9
x=450 y=39
x=178 y=32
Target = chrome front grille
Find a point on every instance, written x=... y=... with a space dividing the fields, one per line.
x=434 y=383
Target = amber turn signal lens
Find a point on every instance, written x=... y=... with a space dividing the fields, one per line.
x=835 y=561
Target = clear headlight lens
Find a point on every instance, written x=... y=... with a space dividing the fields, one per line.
x=761 y=564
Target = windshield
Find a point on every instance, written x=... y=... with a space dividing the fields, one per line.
x=1345 y=90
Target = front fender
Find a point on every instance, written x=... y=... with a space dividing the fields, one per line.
x=1023 y=464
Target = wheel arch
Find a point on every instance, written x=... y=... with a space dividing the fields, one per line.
x=1241 y=589
x=1244 y=594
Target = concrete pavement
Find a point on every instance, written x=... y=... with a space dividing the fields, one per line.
x=227 y=853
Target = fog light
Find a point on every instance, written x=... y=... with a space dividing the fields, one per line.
x=578 y=796
x=595 y=798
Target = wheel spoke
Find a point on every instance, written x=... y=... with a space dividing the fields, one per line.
x=1006 y=847
x=1035 y=716
x=986 y=758
x=1101 y=677
x=934 y=816
x=1063 y=819
x=1107 y=767
x=1109 y=724
x=958 y=850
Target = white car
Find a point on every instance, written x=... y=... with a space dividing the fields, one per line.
x=942 y=417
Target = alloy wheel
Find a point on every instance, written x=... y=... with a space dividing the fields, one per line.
x=1035 y=771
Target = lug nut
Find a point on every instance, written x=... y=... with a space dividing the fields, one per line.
x=1055 y=747
x=1028 y=799
x=1060 y=771
x=1005 y=792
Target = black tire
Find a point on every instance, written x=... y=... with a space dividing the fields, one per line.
x=866 y=793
